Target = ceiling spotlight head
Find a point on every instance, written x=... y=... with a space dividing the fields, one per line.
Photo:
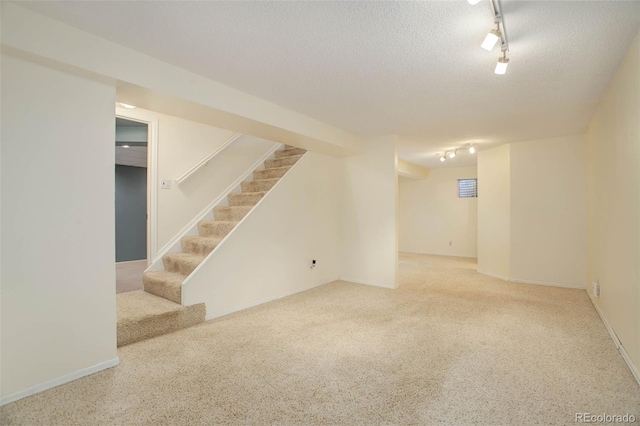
x=473 y=2
x=491 y=39
x=472 y=149
x=503 y=63
x=451 y=154
x=443 y=158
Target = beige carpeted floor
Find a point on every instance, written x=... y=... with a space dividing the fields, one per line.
x=129 y=275
x=450 y=346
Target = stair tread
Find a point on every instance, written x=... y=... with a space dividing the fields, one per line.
x=186 y=256
x=199 y=238
x=237 y=194
x=170 y=277
x=135 y=305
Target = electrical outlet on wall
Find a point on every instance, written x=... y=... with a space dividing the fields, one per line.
x=596 y=288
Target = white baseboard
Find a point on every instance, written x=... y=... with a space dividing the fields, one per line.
x=574 y=286
x=31 y=390
x=466 y=256
x=265 y=300
x=519 y=281
x=491 y=274
x=132 y=261
x=616 y=341
x=351 y=280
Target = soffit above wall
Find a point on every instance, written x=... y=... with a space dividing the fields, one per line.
x=413 y=69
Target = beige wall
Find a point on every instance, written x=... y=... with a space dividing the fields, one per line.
x=613 y=166
x=433 y=219
x=369 y=222
x=494 y=211
x=548 y=211
x=269 y=254
x=58 y=249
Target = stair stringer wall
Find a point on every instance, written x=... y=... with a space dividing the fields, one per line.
x=191 y=228
x=268 y=254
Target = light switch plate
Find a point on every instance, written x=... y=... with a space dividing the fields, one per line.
x=165 y=184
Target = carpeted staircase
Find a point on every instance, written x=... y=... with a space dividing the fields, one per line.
x=135 y=322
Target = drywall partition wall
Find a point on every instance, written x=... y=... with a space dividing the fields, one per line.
x=613 y=170
x=152 y=84
x=131 y=213
x=370 y=198
x=494 y=211
x=58 y=277
x=269 y=254
x=181 y=145
x=433 y=219
x=548 y=211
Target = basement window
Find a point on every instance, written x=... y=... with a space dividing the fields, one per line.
x=467 y=188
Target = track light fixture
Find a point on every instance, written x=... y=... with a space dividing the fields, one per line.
x=491 y=39
x=502 y=64
x=499 y=33
x=472 y=149
x=443 y=158
x=452 y=154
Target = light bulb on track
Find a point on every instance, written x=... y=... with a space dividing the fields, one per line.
x=490 y=40
x=502 y=64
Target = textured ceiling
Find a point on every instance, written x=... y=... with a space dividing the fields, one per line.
x=414 y=69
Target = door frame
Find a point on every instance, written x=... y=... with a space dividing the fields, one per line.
x=152 y=174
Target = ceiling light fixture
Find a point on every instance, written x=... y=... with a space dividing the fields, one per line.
x=473 y=2
x=126 y=146
x=127 y=106
x=443 y=158
x=502 y=64
x=452 y=154
x=472 y=149
x=491 y=39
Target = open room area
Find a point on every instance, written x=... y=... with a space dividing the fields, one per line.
x=319 y=212
x=450 y=345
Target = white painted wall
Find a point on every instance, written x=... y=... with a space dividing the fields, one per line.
x=58 y=277
x=494 y=211
x=370 y=203
x=613 y=165
x=548 y=211
x=182 y=144
x=431 y=215
x=268 y=254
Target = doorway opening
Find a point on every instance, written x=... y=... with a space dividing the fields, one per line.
x=131 y=203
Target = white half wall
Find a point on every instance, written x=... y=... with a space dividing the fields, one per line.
x=433 y=219
x=58 y=247
x=548 y=211
x=370 y=205
x=613 y=166
x=268 y=255
x=494 y=211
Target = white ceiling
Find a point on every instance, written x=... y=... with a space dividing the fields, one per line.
x=414 y=69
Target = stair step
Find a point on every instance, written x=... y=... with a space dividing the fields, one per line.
x=142 y=315
x=245 y=198
x=215 y=228
x=164 y=284
x=280 y=162
x=181 y=263
x=288 y=152
x=199 y=245
x=289 y=147
x=234 y=213
x=259 y=185
x=277 y=172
